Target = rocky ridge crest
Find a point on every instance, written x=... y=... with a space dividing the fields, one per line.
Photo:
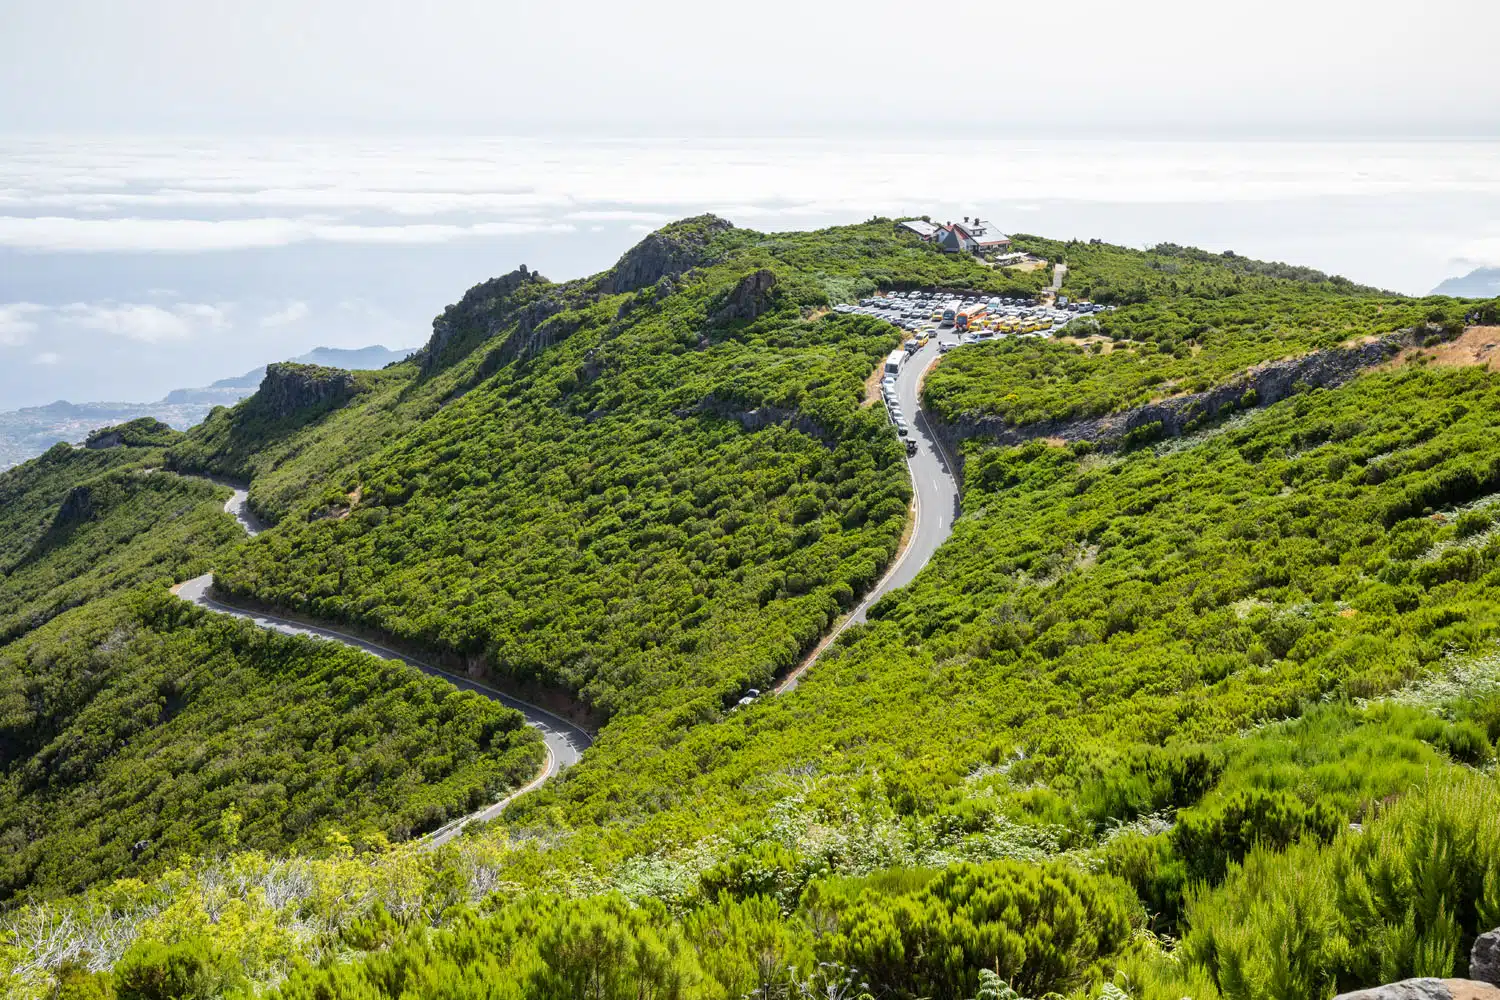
x=291 y=388
x=666 y=253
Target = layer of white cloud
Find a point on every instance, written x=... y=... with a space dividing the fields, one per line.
x=294 y=312
x=133 y=194
x=1481 y=252
x=138 y=196
x=47 y=358
x=57 y=233
x=17 y=323
x=146 y=323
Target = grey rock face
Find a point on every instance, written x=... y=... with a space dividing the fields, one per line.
x=290 y=388
x=756 y=418
x=1484 y=959
x=753 y=296
x=666 y=253
x=1427 y=989
x=488 y=308
x=77 y=507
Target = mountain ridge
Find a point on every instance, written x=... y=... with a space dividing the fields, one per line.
x=1157 y=706
x=1480 y=283
x=29 y=431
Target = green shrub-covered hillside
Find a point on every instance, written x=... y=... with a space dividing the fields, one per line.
x=651 y=489
x=140 y=727
x=1334 y=546
x=1215 y=717
x=1184 y=321
x=76 y=524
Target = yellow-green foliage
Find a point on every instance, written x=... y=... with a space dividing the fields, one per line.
x=138 y=728
x=1403 y=897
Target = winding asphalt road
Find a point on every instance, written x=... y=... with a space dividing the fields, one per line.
x=935 y=488
x=565 y=742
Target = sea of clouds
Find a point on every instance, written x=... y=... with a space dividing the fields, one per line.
x=128 y=267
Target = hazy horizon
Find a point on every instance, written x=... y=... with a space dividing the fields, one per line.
x=190 y=188
x=132 y=266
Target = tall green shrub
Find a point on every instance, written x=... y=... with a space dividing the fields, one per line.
x=1406 y=897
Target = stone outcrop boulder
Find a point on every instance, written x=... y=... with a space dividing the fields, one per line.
x=666 y=253
x=752 y=297
x=1427 y=989
x=1484 y=958
x=291 y=388
x=757 y=417
x=522 y=299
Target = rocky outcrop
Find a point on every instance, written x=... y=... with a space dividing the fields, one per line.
x=141 y=432
x=1177 y=415
x=290 y=388
x=751 y=298
x=1484 y=958
x=538 y=327
x=522 y=299
x=756 y=418
x=666 y=253
x=1427 y=989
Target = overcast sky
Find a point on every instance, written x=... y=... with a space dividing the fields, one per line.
x=191 y=188
x=1281 y=67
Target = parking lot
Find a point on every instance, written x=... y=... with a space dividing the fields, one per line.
x=968 y=319
x=952 y=320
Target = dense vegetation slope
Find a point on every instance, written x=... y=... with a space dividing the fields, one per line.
x=653 y=489
x=1110 y=741
x=140 y=728
x=133 y=729
x=1185 y=321
x=78 y=524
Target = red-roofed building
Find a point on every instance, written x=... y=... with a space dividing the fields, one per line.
x=976 y=236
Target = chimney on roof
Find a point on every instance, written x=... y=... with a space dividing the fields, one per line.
x=966 y=218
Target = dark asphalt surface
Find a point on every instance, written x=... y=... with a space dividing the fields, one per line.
x=565 y=741
x=935 y=484
x=933 y=475
x=934 y=479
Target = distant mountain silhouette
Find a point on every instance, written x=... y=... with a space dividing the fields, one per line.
x=28 y=432
x=1482 y=283
x=240 y=386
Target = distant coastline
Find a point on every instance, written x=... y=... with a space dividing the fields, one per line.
x=30 y=431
